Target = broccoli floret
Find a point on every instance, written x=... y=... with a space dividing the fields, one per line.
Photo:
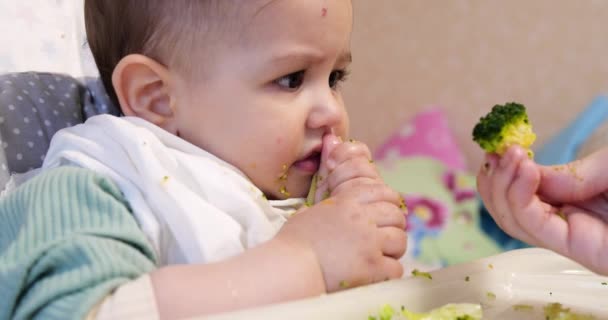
x=504 y=126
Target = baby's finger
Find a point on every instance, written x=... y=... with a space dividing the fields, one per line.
x=348 y=150
x=393 y=241
x=388 y=268
x=368 y=191
x=330 y=142
x=351 y=169
x=385 y=214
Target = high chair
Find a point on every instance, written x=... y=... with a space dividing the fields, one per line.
x=35 y=105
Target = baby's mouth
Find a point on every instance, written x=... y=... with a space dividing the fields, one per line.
x=309 y=164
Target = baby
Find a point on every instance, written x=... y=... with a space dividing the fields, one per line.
x=193 y=202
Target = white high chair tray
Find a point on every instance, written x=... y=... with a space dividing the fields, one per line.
x=533 y=277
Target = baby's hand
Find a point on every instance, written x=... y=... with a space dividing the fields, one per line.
x=562 y=208
x=357 y=236
x=343 y=166
x=357 y=227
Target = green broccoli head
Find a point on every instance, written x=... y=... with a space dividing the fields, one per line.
x=504 y=126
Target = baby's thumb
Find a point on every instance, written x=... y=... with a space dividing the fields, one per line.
x=575 y=181
x=330 y=141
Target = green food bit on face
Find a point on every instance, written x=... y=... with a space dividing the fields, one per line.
x=283 y=191
x=491 y=295
x=417 y=273
x=344 y=284
x=556 y=311
x=467 y=278
x=504 y=126
x=523 y=307
x=604 y=283
x=561 y=214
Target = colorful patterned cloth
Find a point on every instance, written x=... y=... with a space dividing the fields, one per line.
x=423 y=162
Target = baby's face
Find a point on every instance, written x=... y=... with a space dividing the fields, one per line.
x=270 y=96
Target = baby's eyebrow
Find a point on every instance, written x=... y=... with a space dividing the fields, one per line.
x=345 y=57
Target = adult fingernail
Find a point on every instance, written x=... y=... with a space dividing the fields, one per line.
x=512 y=154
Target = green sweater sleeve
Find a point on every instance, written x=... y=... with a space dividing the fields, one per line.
x=67 y=239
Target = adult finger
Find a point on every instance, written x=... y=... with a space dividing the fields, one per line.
x=576 y=181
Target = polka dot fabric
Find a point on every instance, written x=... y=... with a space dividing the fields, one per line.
x=33 y=106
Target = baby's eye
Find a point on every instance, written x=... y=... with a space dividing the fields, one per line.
x=336 y=76
x=291 y=81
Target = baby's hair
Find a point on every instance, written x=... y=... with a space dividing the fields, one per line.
x=159 y=29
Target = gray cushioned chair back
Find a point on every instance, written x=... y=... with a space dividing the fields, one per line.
x=35 y=105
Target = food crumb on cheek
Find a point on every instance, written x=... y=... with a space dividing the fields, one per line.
x=283 y=191
x=284 y=172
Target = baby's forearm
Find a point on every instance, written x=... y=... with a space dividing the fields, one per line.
x=273 y=272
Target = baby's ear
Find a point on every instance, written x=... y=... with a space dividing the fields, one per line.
x=143 y=88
